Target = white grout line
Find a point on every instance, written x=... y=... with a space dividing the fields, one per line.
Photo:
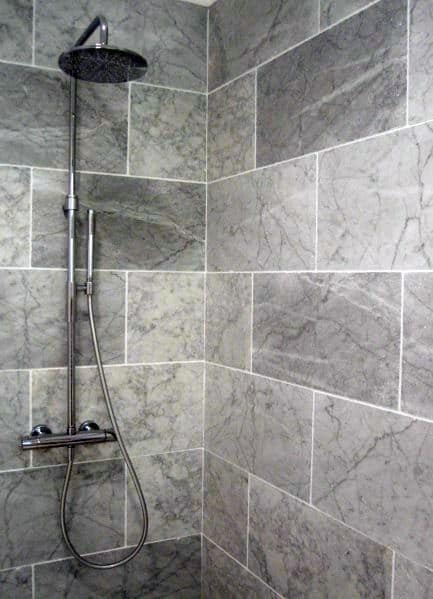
x=400 y=367
x=392 y=575
x=34 y=32
x=316 y=236
x=125 y=515
x=31 y=218
x=107 y=367
x=255 y=117
x=408 y=61
x=318 y=272
x=248 y=519
x=169 y=88
x=128 y=129
x=312 y=447
x=252 y=323
x=30 y=382
x=126 y=317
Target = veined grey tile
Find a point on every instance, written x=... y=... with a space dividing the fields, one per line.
x=141 y=223
x=412 y=580
x=332 y=11
x=302 y=553
x=172 y=485
x=167 y=133
x=244 y=34
x=417 y=370
x=264 y=220
x=231 y=128
x=34 y=106
x=14 y=418
x=223 y=578
x=16 y=21
x=336 y=332
x=14 y=216
x=260 y=425
x=373 y=470
x=16 y=583
x=165 y=317
x=32 y=312
x=225 y=508
x=170 y=34
x=161 y=570
x=376 y=203
x=346 y=83
x=420 y=65
x=228 y=319
x=30 y=502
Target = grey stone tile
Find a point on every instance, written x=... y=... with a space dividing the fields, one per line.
x=417 y=370
x=231 y=128
x=172 y=485
x=165 y=317
x=336 y=332
x=170 y=34
x=14 y=216
x=244 y=34
x=412 y=580
x=375 y=207
x=16 y=583
x=228 y=319
x=420 y=65
x=34 y=107
x=264 y=220
x=167 y=133
x=223 y=578
x=32 y=310
x=302 y=553
x=260 y=425
x=346 y=83
x=332 y=11
x=30 y=502
x=373 y=471
x=141 y=223
x=16 y=22
x=225 y=507
x=14 y=418
x=161 y=570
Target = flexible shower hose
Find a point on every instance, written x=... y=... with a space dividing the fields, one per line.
x=125 y=455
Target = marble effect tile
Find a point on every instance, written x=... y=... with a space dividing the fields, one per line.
x=16 y=583
x=244 y=34
x=260 y=425
x=167 y=133
x=228 y=319
x=339 y=333
x=420 y=64
x=165 y=317
x=161 y=570
x=332 y=11
x=346 y=83
x=225 y=506
x=412 y=581
x=14 y=418
x=141 y=223
x=302 y=553
x=170 y=34
x=373 y=471
x=96 y=502
x=231 y=128
x=376 y=203
x=16 y=21
x=14 y=216
x=264 y=220
x=172 y=485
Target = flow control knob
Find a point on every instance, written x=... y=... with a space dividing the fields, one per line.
x=40 y=429
x=88 y=426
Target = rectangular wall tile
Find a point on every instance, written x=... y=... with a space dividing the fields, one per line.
x=169 y=33
x=16 y=18
x=140 y=223
x=30 y=502
x=34 y=106
x=168 y=569
x=264 y=220
x=302 y=553
x=332 y=11
x=16 y=583
x=412 y=580
x=260 y=425
x=14 y=418
x=374 y=203
x=231 y=128
x=242 y=35
x=373 y=470
x=346 y=83
x=228 y=319
x=165 y=317
x=172 y=485
x=14 y=216
x=224 y=578
x=339 y=333
x=225 y=508
x=420 y=64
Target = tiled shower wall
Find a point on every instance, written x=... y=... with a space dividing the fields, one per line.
x=319 y=332
x=142 y=156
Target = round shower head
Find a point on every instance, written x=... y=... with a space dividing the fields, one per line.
x=102 y=64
